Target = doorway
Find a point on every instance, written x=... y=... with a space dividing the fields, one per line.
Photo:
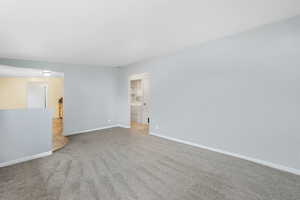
x=37 y=95
x=26 y=88
x=139 y=103
x=47 y=93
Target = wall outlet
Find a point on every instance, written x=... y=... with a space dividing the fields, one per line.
x=109 y=121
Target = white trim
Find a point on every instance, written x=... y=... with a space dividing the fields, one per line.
x=139 y=76
x=143 y=77
x=27 y=158
x=123 y=126
x=262 y=162
x=46 y=88
x=90 y=130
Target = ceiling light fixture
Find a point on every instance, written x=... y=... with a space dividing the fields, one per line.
x=46 y=73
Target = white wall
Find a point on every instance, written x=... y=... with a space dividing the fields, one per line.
x=240 y=94
x=24 y=133
x=89 y=93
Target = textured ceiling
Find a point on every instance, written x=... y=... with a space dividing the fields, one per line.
x=120 y=32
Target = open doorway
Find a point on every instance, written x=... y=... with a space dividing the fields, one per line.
x=47 y=93
x=139 y=103
x=25 y=88
x=37 y=95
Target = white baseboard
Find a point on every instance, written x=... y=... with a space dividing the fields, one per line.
x=123 y=126
x=262 y=162
x=90 y=130
x=27 y=158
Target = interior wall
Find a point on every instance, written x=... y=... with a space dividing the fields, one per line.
x=24 y=133
x=13 y=92
x=89 y=93
x=239 y=94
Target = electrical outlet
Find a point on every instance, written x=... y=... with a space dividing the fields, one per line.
x=109 y=121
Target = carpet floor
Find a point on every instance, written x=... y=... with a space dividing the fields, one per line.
x=119 y=164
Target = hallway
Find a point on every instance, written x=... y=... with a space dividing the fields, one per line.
x=58 y=140
x=140 y=128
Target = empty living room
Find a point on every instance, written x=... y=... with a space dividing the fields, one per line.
x=150 y=100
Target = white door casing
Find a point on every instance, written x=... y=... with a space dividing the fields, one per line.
x=145 y=108
x=146 y=97
x=37 y=95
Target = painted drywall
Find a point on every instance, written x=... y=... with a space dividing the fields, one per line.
x=239 y=94
x=13 y=92
x=24 y=133
x=89 y=93
x=9 y=71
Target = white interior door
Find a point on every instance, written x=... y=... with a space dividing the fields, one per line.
x=37 y=95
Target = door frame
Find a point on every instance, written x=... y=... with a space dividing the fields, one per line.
x=45 y=85
x=133 y=77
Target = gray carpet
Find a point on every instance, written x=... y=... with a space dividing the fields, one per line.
x=119 y=164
